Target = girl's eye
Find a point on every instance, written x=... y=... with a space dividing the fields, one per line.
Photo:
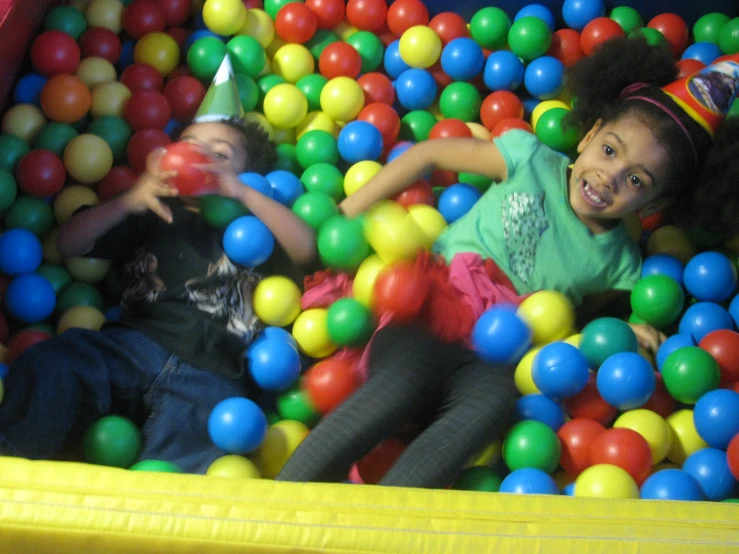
x=608 y=151
x=220 y=155
x=636 y=181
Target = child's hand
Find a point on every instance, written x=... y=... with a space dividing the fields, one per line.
x=150 y=188
x=225 y=176
x=648 y=337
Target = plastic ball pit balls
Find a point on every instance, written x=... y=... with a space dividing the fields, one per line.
x=457 y=200
x=88 y=158
x=549 y=314
x=478 y=478
x=559 y=370
x=605 y=481
x=710 y=277
x=25 y=121
x=528 y=481
x=30 y=298
x=716 y=417
x=671 y=484
x=598 y=31
x=689 y=373
x=159 y=50
x=359 y=141
x=652 y=427
x=578 y=13
x=20 y=252
x=670 y=345
x=723 y=345
x=415 y=89
x=234 y=466
x=500 y=336
x=295 y=405
x=710 y=468
x=65 y=98
x=462 y=59
x=703 y=318
x=310 y=330
x=277 y=301
x=604 y=337
x=576 y=437
x=248 y=241
x=280 y=442
x=183 y=158
x=315 y=208
x=552 y=129
x=330 y=382
x=624 y=448
x=626 y=380
x=55 y=53
x=531 y=444
x=663 y=264
x=112 y=441
x=657 y=299
x=503 y=71
x=543 y=77
x=224 y=17
x=732 y=456
x=156 y=466
x=273 y=364
x=529 y=38
x=685 y=438
x=350 y=323
x=341 y=243
x=538 y=407
x=704 y=52
x=237 y=425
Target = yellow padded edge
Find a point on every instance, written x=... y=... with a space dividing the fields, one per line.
x=56 y=507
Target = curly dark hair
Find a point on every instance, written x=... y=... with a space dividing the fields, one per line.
x=261 y=152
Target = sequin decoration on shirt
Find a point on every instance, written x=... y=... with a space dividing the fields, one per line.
x=524 y=221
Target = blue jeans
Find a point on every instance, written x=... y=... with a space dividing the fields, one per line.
x=56 y=389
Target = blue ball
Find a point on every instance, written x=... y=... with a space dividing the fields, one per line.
x=4 y=370
x=559 y=370
x=671 y=484
x=734 y=310
x=28 y=89
x=529 y=105
x=258 y=183
x=503 y=71
x=716 y=417
x=394 y=64
x=500 y=336
x=702 y=318
x=126 y=57
x=462 y=59
x=274 y=364
x=398 y=149
x=113 y=313
x=540 y=408
x=569 y=490
x=20 y=252
x=529 y=480
x=578 y=13
x=197 y=35
x=710 y=468
x=237 y=425
x=275 y=333
x=286 y=187
x=663 y=264
x=173 y=128
x=704 y=52
x=415 y=89
x=457 y=200
x=248 y=241
x=540 y=11
x=30 y=298
x=626 y=381
x=675 y=342
x=359 y=141
x=710 y=277
x=543 y=77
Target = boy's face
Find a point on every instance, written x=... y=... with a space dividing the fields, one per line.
x=220 y=141
x=621 y=169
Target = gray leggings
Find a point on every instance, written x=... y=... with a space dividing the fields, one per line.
x=411 y=372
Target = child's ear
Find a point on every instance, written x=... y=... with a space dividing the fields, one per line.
x=656 y=206
x=589 y=136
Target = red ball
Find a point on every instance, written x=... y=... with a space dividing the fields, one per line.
x=22 y=341
x=723 y=345
x=142 y=76
x=367 y=15
x=41 y=173
x=179 y=34
x=688 y=66
x=661 y=402
x=339 y=59
x=448 y=128
x=505 y=125
x=330 y=382
x=142 y=143
x=419 y=192
x=500 y=105
x=624 y=448
x=566 y=47
x=652 y=222
x=184 y=157
x=400 y=290
x=184 y=95
x=254 y=4
x=449 y=25
x=404 y=14
x=142 y=17
x=377 y=87
x=386 y=36
x=442 y=79
x=589 y=404
x=180 y=71
x=147 y=109
x=598 y=31
x=732 y=456
x=101 y=43
x=329 y=13
x=54 y=53
x=674 y=30
x=119 y=179
x=384 y=117
x=373 y=467
x=295 y=22
x=444 y=178
x=176 y=12
x=576 y=436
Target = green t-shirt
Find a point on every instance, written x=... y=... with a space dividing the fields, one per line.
x=526 y=225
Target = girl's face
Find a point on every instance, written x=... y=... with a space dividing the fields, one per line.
x=621 y=170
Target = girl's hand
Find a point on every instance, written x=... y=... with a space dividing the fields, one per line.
x=648 y=337
x=150 y=188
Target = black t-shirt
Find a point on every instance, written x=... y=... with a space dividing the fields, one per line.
x=180 y=288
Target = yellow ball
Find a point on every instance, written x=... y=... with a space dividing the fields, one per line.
x=109 y=99
x=277 y=301
x=70 y=199
x=263 y=122
x=23 y=121
x=358 y=174
x=232 y=465
x=283 y=136
x=344 y=30
x=310 y=330
x=274 y=46
x=316 y=121
x=50 y=250
x=488 y=456
x=293 y=62
x=392 y=232
x=105 y=13
x=478 y=131
x=80 y=317
x=285 y=106
x=544 y=106
x=158 y=50
x=605 y=481
x=684 y=438
x=652 y=427
x=364 y=281
x=342 y=99
x=281 y=440
x=260 y=26
x=522 y=376
x=673 y=241
x=431 y=222
x=420 y=46
x=661 y=466
x=88 y=158
x=549 y=314
x=266 y=69
x=435 y=110
x=87 y=270
x=574 y=340
x=224 y=17
x=96 y=71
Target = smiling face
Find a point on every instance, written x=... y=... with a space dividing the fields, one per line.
x=220 y=141
x=621 y=170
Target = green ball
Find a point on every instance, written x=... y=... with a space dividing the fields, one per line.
x=265 y=84
x=416 y=125
x=460 y=100
x=604 y=337
x=156 y=466
x=731 y=500
x=628 y=18
x=552 y=130
x=633 y=318
x=315 y=208
x=341 y=243
x=247 y=55
x=311 y=86
x=67 y=20
x=320 y=40
x=12 y=149
x=220 y=211
x=317 y=147
x=55 y=137
x=248 y=91
x=370 y=49
x=272 y=417
x=295 y=405
x=324 y=177
x=43 y=327
x=79 y=294
x=733 y=110
x=274 y=6
x=529 y=38
x=112 y=441
x=113 y=130
x=657 y=299
x=534 y=444
x=287 y=158
x=32 y=214
x=708 y=28
x=205 y=56
x=480 y=182
x=489 y=27
x=652 y=36
x=689 y=373
x=478 y=478
x=728 y=38
x=56 y=275
x=8 y=190
x=350 y=323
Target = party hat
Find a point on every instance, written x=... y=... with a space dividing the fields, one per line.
x=222 y=100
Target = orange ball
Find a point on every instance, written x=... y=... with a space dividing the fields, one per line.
x=65 y=98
